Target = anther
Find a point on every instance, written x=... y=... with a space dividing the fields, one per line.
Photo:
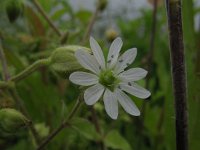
x=129 y=83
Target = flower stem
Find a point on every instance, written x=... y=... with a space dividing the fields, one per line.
x=30 y=69
x=62 y=125
x=178 y=72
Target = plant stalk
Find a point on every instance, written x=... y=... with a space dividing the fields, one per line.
x=30 y=69
x=178 y=72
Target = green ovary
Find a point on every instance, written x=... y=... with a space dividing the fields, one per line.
x=108 y=79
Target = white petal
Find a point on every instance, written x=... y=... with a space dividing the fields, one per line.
x=97 y=51
x=134 y=89
x=111 y=104
x=83 y=78
x=133 y=74
x=93 y=94
x=125 y=59
x=128 y=105
x=87 y=61
x=114 y=52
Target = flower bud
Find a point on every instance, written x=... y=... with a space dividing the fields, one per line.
x=111 y=34
x=102 y=4
x=62 y=60
x=14 y=9
x=42 y=129
x=11 y=121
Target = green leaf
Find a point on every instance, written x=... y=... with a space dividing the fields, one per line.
x=85 y=128
x=114 y=140
x=83 y=16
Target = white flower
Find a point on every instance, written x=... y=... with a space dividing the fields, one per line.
x=109 y=78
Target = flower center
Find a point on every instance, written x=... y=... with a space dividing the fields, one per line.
x=108 y=79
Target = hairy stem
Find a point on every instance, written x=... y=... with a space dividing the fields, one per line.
x=62 y=125
x=178 y=72
x=30 y=69
x=42 y=12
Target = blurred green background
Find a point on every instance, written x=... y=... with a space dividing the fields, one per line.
x=26 y=36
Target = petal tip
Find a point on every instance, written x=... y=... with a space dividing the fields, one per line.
x=113 y=117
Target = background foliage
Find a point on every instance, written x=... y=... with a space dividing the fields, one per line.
x=49 y=96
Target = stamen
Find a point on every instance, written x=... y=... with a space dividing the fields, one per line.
x=119 y=87
x=109 y=61
x=99 y=67
x=112 y=56
x=121 y=61
x=129 y=83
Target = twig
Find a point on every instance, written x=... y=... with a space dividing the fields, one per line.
x=62 y=125
x=6 y=75
x=97 y=127
x=42 y=12
x=178 y=72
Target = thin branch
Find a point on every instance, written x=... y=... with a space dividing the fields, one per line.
x=178 y=72
x=42 y=12
x=62 y=125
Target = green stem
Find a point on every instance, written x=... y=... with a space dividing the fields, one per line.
x=4 y=84
x=30 y=69
x=62 y=125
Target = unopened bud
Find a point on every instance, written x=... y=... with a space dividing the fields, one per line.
x=111 y=34
x=12 y=120
x=62 y=60
x=102 y=4
x=42 y=129
x=14 y=9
